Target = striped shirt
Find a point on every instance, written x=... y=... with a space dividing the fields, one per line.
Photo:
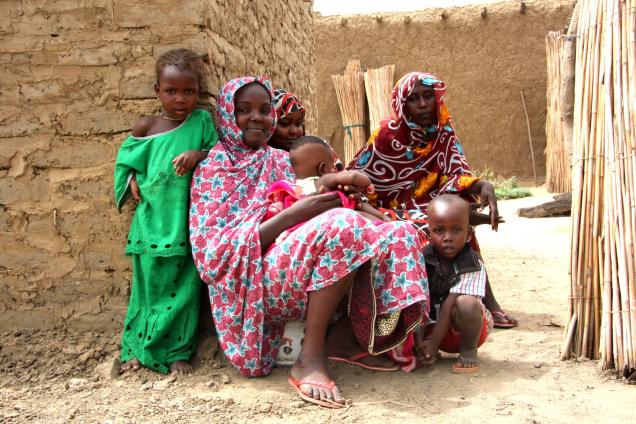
x=472 y=283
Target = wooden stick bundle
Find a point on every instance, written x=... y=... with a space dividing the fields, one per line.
x=603 y=262
x=558 y=151
x=379 y=85
x=350 y=93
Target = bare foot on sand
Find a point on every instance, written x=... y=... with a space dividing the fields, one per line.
x=132 y=365
x=181 y=367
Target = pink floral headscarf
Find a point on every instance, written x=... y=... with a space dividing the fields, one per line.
x=231 y=135
x=228 y=202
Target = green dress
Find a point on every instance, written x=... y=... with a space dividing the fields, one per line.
x=161 y=321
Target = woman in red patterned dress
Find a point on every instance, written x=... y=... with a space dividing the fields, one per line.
x=415 y=156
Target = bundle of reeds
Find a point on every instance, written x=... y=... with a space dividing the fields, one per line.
x=603 y=269
x=350 y=93
x=558 y=151
x=379 y=84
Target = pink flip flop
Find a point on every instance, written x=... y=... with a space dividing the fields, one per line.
x=296 y=385
x=355 y=360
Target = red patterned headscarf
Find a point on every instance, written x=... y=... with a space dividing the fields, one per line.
x=286 y=103
x=230 y=135
x=412 y=133
x=410 y=165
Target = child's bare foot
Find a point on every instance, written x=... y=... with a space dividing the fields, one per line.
x=312 y=379
x=467 y=362
x=359 y=179
x=132 y=365
x=181 y=367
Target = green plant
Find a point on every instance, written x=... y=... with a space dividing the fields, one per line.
x=505 y=188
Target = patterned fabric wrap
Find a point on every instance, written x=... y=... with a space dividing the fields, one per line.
x=253 y=294
x=286 y=103
x=410 y=165
x=227 y=205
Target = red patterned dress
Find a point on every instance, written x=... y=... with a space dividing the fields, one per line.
x=410 y=165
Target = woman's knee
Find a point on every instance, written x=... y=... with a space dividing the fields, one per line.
x=337 y=216
x=400 y=230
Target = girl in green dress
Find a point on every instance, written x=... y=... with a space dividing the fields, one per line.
x=154 y=166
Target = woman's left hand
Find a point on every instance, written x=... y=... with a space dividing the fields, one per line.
x=487 y=197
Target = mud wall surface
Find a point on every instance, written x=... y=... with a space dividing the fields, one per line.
x=485 y=61
x=75 y=75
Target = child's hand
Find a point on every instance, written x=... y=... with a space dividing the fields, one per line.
x=134 y=189
x=186 y=161
x=351 y=191
x=426 y=352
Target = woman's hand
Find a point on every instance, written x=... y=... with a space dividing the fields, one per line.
x=487 y=197
x=477 y=218
x=312 y=205
x=187 y=160
x=301 y=211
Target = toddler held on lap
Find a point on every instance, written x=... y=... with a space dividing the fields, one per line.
x=315 y=169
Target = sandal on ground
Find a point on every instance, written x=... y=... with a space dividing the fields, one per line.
x=356 y=360
x=459 y=368
x=503 y=320
x=327 y=404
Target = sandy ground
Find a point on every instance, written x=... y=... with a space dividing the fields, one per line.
x=57 y=377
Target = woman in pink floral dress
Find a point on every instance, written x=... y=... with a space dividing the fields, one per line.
x=262 y=274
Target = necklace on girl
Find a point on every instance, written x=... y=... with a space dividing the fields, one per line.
x=169 y=118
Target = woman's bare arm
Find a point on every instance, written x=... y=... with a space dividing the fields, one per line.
x=301 y=211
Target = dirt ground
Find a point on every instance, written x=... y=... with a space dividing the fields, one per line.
x=56 y=377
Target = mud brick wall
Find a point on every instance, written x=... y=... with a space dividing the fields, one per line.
x=74 y=76
x=485 y=62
